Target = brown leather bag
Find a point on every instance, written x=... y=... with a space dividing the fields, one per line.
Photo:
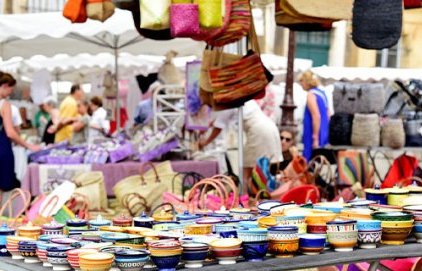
x=75 y=11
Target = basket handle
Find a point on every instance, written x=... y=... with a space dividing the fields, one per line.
x=142 y=171
x=229 y=181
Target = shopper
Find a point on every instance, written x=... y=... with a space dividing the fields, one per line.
x=316 y=119
x=69 y=110
x=54 y=123
x=81 y=124
x=41 y=120
x=262 y=136
x=8 y=134
x=99 y=125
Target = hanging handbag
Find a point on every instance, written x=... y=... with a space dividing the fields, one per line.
x=210 y=13
x=412 y=4
x=75 y=11
x=99 y=10
x=327 y=9
x=377 y=24
x=354 y=98
x=124 y=4
x=184 y=20
x=341 y=129
x=91 y=184
x=366 y=130
x=354 y=167
x=155 y=14
x=206 y=34
x=392 y=134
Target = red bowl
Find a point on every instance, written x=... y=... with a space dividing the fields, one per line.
x=317 y=229
x=221 y=253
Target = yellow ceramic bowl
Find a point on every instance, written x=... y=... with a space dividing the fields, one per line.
x=11 y=239
x=96 y=258
x=397 y=224
x=226 y=243
x=104 y=267
x=137 y=230
x=284 y=248
x=198 y=229
x=356 y=214
x=319 y=217
x=112 y=228
x=133 y=246
x=165 y=252
x=267 y=221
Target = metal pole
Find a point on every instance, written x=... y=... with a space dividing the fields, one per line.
x=384 y=58
x=116 y=79
x=240 y=144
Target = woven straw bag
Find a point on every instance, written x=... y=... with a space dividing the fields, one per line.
x=327 y=9
x=392 y=134
x=377 y=24
x=91 y=184
x=366 y=130
x=155 y=14
x=206 y=34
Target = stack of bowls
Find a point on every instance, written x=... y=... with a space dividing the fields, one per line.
x=186 y=218
x=226 y=251
x=13 y=247
x=194 y=254
x=283 y=241
x=42 y=252
x=122 y=221
x=28 y=249
x=57 y=257
x=255 y=243
x=73 y=256
x=165 y=254
x=4 y=232
x=29 y=231
x=377 y=195
x=317 y=222
x=342 y=234
x=100 y=261
x=76 y=226
x=312 y=244
x=369 y=233
x=130 y=259
x=397 y=195
x=396 y=226
x=52 y=228
x=98 y=222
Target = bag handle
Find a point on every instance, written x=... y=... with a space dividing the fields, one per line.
x=229 y=181
x=173 y=210
x=134 y=209
x=218 y=183
x=54 y=198
x=142 y=172
x=205 y=182
x=15 y=193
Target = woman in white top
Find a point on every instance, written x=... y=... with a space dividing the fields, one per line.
x=262 y=136
x=99 y=125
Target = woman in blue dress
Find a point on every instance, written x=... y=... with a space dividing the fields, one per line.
x=8 y=134
x=317 y=117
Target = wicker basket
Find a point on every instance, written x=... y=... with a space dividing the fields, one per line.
x=392 y=134
x=366 y=130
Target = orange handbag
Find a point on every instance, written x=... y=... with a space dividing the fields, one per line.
x=75 y=11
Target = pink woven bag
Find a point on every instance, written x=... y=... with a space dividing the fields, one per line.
x=184 y=20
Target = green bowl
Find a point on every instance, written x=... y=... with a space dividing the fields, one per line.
x=392 y=216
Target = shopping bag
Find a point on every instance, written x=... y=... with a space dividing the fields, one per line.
x=184 y=20
x=75 y=11
x=91 y=184
x=100 y=10
x=155 y=14
x=12 y=212
x=210 y=15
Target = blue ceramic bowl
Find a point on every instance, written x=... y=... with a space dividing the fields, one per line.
x=368 y=225
x=312 y=240
x=58 y=251
x=417 y=228
x=248 y=224
x=225 y=227
x=228 y=234
x=380 y=198
x=334 y=209
x=198 y=255
x=131 y=254
x=166 y=263
x=284 y=229
x=253 y=235
x=255 y=251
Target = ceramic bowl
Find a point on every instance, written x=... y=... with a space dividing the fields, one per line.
x=228 y=234
x=395 y=235
x=226 y=227
x=164 y=225
x=226 y=243
x=255 y=251
x=27 y=249
x=210 y=220
x=392 y=216
x=417 y=228
x=282 y=209
x=377 y=195
x=290 y=220
x=167 y=263
x=311 y=244
x=368 y=239
x=415 y=209
x=165 y=252
x=227 y=256
x=283 y=233
x=194 y=258
x=397 y=195
x=96 y=261
x=319 y=218
x=198 y=229
x=417 y=232
x=356 y=214
x=368 y=225
x=283 y=248
x=317 y=229
x=194 y=246
x=334 y=207
x=73 y=256
x=341 y=226
x=343 y=241
x=267 y=221
x=241 y=213
x=397 y=224
x=360 y=203
x=131 y=260
x=253 y=235
x=266 y=205
x=57 y=257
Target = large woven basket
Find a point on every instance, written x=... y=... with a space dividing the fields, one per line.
x=366 y=130
x=392 y=134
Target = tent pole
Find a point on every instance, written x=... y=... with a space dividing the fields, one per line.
x=116 y=80
x=240 y=137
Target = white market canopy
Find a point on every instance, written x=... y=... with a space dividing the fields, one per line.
x=330 y=74
x=48 y=34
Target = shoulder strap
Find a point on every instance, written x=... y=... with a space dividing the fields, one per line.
x=321 y=94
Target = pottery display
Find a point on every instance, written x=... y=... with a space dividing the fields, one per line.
x=377 y=195
x=131 y=260
x=57 y=257
x=98 y=222
x=311 y=244
x=143 y=221
x=12 y=245
x=194 y=254
x=396 y=196
x=198 y=229
x=27 y=249
x=253 y=235
x=122 y=221
x=29 y=231
x=73 y=256
x=4 y=232
x=255 y=251
x=52 y=228
x=342 y=234
x=100 y=261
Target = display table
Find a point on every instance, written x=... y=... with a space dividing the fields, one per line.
x=328 y=258
x=113 y=173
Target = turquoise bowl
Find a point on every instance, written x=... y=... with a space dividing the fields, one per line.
x=368 y=225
